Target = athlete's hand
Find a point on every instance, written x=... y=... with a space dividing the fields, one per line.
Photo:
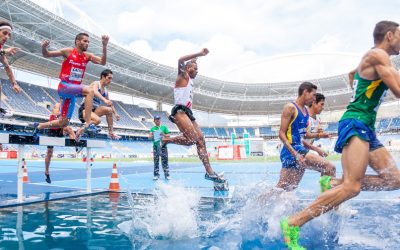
x=300 y=159
x=11 y=51
x=45 y=43
x=204 y=52
x=322 y=153
x=108 y=103
x=16 y=88
x=324 y=135
x=117 y=117
x=104 y=40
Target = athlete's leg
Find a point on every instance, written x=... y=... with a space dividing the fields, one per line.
x=47 y=159
x=317 y=163
x=70 y=132
x=88 y=93
x=290 y=178
x=201 y=148
x=388 y=177
x=185 y=126
x=355 y=157
x=94 y=118
x=107 y=111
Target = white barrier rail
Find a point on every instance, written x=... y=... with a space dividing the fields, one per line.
x=22 y=140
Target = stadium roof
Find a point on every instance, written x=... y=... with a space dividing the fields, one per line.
x=138 y=76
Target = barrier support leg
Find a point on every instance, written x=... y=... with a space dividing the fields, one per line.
x=88 y=170
x=20 y=173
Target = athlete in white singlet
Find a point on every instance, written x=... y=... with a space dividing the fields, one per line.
x=182 y=114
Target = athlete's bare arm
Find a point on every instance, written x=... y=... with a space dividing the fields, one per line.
x=103 y=59
x=183 y=78
x=286 y=118
x=351 y=77
x=10 y=74
x=383 y=69
x=11 y=51
x=314 y=148
x=183 y=59
x=55 y=53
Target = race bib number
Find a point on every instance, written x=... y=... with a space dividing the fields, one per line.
x=76 y=75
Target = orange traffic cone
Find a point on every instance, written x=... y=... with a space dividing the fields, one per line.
x=114 y=183
x=25 y=175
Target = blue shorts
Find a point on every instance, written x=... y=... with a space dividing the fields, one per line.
x=352 y=127
x=288 y=160
x=68 y=93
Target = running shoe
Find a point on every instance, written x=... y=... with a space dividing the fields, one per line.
x=5 y=113
x=215 y=177
x=48 y=180
x=291 y=235
x=325 y=183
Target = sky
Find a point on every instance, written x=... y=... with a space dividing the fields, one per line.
x=249 y=41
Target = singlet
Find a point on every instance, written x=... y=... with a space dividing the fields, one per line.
x=184 y=95
x=52 y=118
x=297 y=127
x=73 y=68
x=366 y=99
x=96 y=100
x=314 y=125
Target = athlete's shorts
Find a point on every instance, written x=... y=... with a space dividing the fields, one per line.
x=288 y=160
x=181 y=108
x=80 y=112
x=55 y=133
x=352 y=127
x=68 y=93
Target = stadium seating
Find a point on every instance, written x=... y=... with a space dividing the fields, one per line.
x=209 y=132
x=251 y=131
x=221 y=132
x=267 y=131
x=383 y=124
x=332 y=127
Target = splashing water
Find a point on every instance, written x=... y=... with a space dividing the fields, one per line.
x=170 y=214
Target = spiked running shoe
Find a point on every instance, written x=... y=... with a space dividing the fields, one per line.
x=215 y=177
x=291 y=235
x=325 y=183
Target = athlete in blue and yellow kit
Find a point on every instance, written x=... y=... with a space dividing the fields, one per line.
x=357 y=139
x=295 y=156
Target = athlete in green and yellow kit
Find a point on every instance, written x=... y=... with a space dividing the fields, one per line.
x=357 y=139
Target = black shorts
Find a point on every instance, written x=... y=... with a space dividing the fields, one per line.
x=55 y=133
x=80 y=112
x=178 y=108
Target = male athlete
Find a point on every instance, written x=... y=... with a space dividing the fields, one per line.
x=182 y=114
x=5 y=34
x=295 y=155
x=72 y=72
x=357 y=139
x=98 y=110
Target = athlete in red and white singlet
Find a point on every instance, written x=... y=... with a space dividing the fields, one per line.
x=182 y=114
x=71 y=76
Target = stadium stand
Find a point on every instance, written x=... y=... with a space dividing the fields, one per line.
x=267 y=131
x=251 y=131
x=221 y=132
